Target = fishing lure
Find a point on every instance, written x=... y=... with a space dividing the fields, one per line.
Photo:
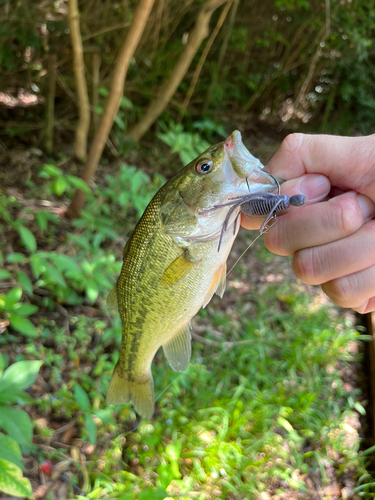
x=257 y=205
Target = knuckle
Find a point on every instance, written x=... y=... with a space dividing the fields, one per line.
x=363 y=308
x=369 y=229
x=274 y=242
x=348 y=215
x=292 y=142
x=299 y=145
x=342 y=291
x=308 y=266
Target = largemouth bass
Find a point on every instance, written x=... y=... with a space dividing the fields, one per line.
x=172 y=266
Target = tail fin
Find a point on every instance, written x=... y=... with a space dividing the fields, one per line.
x=140 y=392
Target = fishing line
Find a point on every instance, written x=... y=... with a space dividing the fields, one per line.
x=243 y=253
x=168 y=386
x=159 y=395
x=251 y=244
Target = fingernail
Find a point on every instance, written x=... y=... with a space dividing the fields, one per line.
x=366 y=206
x=315 y=187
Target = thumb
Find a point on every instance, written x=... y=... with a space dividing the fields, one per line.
x=348 y=162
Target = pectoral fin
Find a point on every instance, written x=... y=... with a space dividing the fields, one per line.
x=178 y=350
x=178 y=269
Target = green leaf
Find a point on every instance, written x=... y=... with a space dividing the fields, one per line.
x=103 y=91
x=10 y=450
x=37 y=265
x=12 y=481
x=16 y=423
x=48 y=171
x=126 y=103
x=359 y=408
x=17 y=396
x=105 y=415
x=52 y=273
x=25 y=282
x=5 y=274
x=120 y=123
x=23 y=325
x=41 y=219
x=173 y=450
x=12 y=297
x=25 y=309
x=59 y=186
x=27 y=238
x=92 y=290
x=91 y=428
x=20 y=375
x=151 y=494
x=16 y=257
x=81 y=397
x=78 y=183
x=2 y=364
x=65 y=263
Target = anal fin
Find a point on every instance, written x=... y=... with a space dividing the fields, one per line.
x=222 y=281
x=217 y=286
x=178 y=350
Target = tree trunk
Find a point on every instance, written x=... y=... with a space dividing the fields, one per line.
x=95 y=67
x=50 y=104
x=196 y=37
x=116 y=91
x=83 y=125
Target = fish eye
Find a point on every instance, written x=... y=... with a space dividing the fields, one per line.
x=204 y=166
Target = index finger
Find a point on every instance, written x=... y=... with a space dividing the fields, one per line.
x=348 y=162
x=313 y=187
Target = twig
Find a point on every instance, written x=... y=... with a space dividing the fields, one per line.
x=112 y=149
x=322 y=38
x=8 y=284
x=65 y=313
x=105 y=30
x=224 y=345
x=202 y=59
x=64 y=428
x=66 y=88
x=45 y=447
x=58 y=444
x=84 y=472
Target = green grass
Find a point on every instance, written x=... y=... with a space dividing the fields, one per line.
x=262 y=407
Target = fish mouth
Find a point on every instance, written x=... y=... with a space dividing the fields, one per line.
x=246 y=166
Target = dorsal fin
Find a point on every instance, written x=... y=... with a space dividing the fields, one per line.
x=112 y=301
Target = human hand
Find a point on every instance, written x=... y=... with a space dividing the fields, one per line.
x=333 y=242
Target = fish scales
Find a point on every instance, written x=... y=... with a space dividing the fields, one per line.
x=171 y=265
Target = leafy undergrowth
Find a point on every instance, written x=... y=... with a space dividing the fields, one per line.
x=267 y=408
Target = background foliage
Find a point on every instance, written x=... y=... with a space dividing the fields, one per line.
x=270 y=405
x=259 y=69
